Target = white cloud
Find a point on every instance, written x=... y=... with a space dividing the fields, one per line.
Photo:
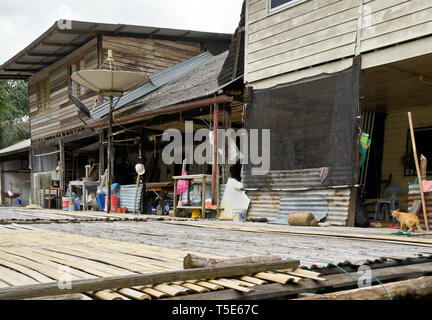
x=21 y=23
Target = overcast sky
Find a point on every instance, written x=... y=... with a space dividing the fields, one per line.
x=22 y=21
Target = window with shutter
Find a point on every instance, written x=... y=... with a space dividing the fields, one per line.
x=75 y=88
x=43 y=94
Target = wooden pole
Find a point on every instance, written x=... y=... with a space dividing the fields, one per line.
x=215 y=151
x=227 y=126
x=415 y=288
x=101 y=155
x=193 y=261
x=109 y=160
x=423 y=166
x=419 y=176
x=129 y=281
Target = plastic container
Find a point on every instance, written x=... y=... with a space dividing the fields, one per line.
x=100 y=199
x=71 y=206
x=196 y=214
x=166 y=207
x=114 y=203
x=239 y=215
x=159 y=210
x=65 y=203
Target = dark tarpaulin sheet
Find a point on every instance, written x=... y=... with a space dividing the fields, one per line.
x=313 y=124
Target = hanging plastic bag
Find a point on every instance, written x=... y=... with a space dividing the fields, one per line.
x=182 y=185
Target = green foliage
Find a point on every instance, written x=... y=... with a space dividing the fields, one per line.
x=14 y=112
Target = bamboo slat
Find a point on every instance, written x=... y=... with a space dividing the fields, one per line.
x=232 y=285
x=195 y=287
x=134 y=294
x=278 y=277
x=256 y=281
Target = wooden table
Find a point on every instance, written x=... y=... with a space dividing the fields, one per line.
x=160 y=189
x=202 y=179
x=57 y=197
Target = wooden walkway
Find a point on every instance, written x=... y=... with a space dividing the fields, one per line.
x=32 y=256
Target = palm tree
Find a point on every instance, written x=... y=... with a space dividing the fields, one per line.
x=14 y=127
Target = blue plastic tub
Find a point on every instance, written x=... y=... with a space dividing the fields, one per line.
x=100 y=199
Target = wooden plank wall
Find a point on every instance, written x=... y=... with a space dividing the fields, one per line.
x=149 y=55
x=395 y=138
x=303 y=35
x=387 y=22
x=62 y=114
x=144 y=55
x=314 y=32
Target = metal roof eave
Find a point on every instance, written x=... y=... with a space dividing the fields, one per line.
x=85 y=31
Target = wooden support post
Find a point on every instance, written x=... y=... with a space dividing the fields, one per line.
x=203 y=197
x=101 y=155
x=423 y=166
x=175 y=199
x=419 y=176
x=110 y=156
x=62 y=164
x=1 y=185
x=215 y=151
x=227 y=125
x=130 y=281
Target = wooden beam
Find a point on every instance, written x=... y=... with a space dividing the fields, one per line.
x=39 y=63
x=340 y=281
x=22 y=70
x=60 y=44
x=129 y=281
x=41 y=54
x=414 y=288
x=193 y=261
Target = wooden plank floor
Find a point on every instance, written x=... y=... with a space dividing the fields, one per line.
x=30 y=256
x=233 y=241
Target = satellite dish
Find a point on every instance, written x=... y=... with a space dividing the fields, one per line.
x=109 y=82
x=82 y=108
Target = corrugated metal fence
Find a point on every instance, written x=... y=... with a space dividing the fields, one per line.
x=297 y=190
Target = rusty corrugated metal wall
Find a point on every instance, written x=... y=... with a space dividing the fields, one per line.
x=303 y=190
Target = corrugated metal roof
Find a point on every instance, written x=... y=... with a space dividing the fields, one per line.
x=65 y=36
x=156 y=80
x=16 y=148
x=201 y=82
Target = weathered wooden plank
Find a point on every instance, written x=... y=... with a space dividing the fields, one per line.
x=412 y=289
x=23 y=292
x=335 y=282
x=286 y=20
x=276 y=45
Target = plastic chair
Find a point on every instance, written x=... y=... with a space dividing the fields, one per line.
x=390 y=192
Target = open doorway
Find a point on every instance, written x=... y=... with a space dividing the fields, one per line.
x=390 y=92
